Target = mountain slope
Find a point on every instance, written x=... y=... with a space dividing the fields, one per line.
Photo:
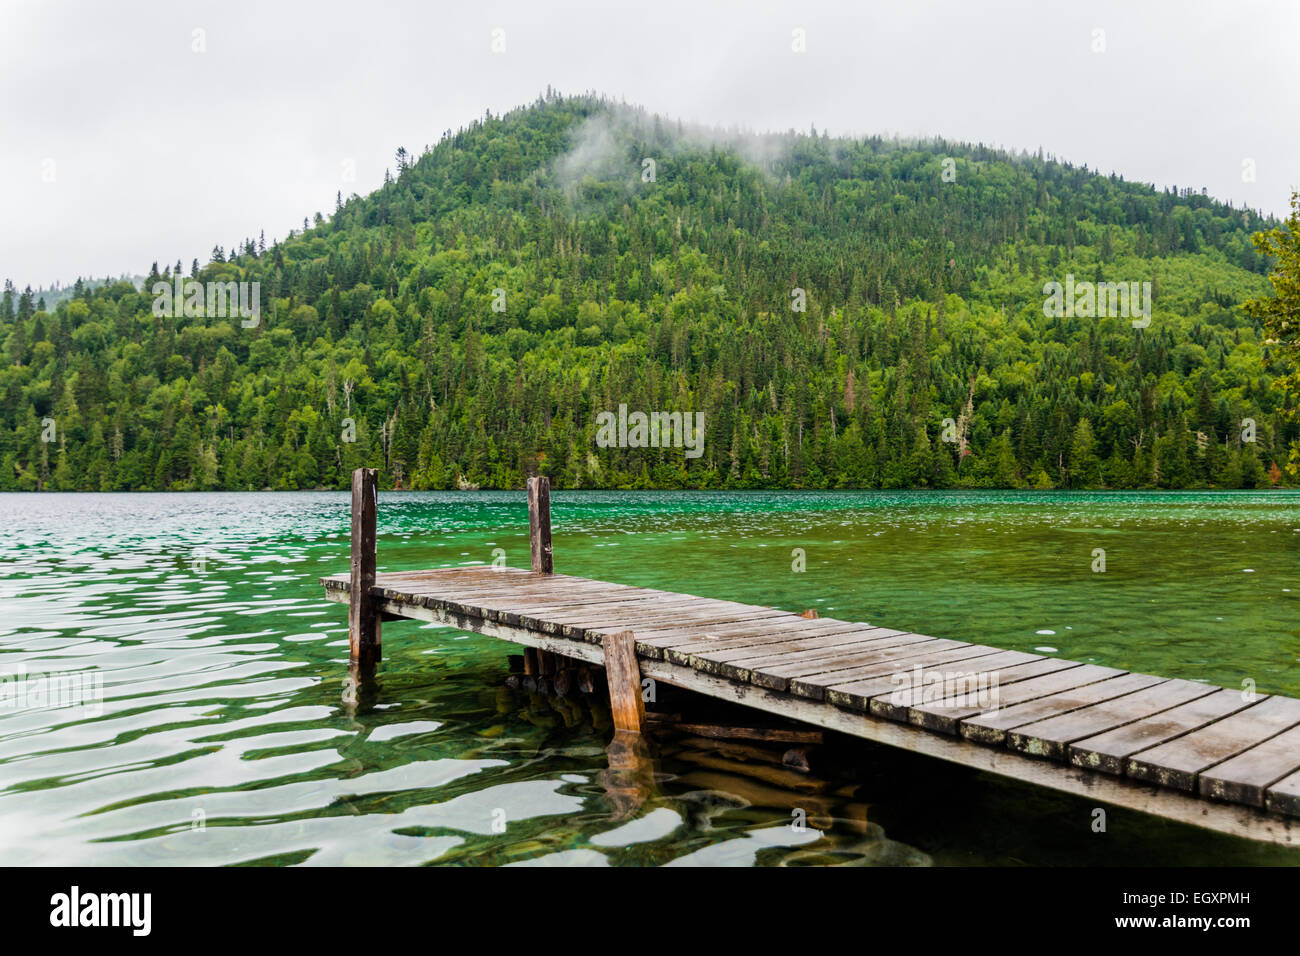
x=467 y=322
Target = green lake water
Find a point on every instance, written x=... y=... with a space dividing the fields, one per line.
x=223 y=735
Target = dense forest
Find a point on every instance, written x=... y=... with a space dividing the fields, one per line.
x=844 y=313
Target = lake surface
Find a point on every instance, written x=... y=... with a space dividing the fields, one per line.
x=223 y=737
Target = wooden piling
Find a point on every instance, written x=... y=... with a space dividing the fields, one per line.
x=539 y=544
x=363 y=617
x=623 y=675
x=546 y=666
x=539 y=523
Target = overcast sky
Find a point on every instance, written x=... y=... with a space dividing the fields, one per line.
x=122 y=145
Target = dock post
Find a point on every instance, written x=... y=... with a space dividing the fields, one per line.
x=539 y=523
x=623 y=675
x=539 y=544
x=363 y=617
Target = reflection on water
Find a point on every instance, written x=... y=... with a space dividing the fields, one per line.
x=218 y=732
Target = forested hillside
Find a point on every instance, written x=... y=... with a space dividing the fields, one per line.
x=464 y=325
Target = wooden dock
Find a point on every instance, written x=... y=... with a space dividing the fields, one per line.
x=1188 y=751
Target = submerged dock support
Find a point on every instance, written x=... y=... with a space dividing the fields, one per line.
x=363 y=615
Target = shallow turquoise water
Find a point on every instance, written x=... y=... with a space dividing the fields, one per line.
x=223 y=736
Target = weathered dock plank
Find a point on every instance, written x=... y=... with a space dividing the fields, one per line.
x=774 y=670
x=862 y=694
x=769 y=639
x=1179 y=762
x=977 y=683
x=829 y=637
x=1284 y=796
x=855 y=686
x=1051 y=736
x=993 y=728
x=1110 y=750
x=778 y=672
x=1028 y=680
x=1245 y=777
